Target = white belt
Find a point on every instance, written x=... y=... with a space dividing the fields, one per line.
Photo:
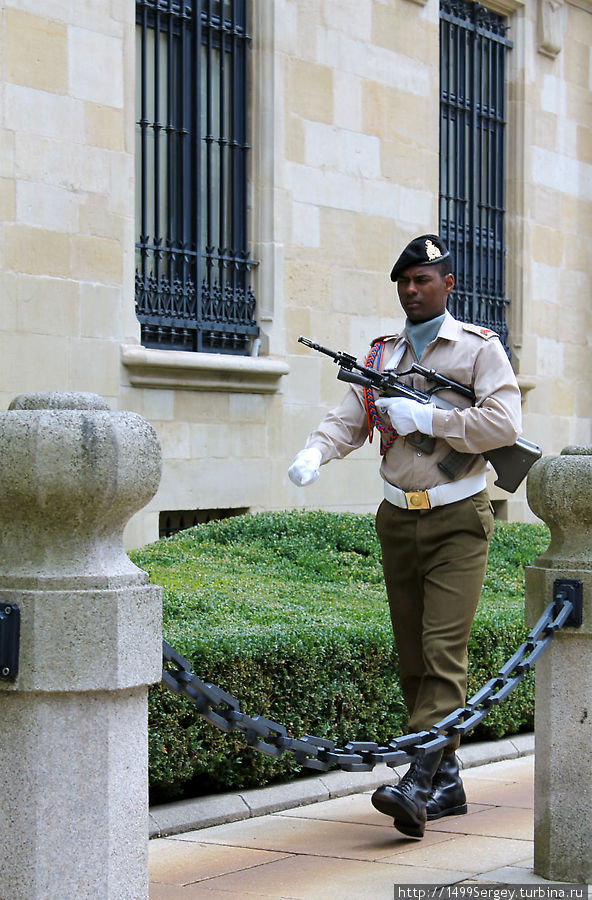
x=440 y=495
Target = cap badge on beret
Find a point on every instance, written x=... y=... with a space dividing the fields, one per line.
x=425 y=250
x=432 y=252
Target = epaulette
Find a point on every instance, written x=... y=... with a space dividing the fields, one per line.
x=485 y=333
x=385 y=337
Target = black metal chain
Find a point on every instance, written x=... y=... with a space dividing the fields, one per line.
x=223 y=710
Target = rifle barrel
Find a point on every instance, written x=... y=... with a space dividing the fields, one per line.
x=318 y=347
x=343 y=359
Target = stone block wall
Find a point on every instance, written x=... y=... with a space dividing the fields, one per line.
x=558 y=314
x=66 y=195
x=550 y=220
x=344 y=170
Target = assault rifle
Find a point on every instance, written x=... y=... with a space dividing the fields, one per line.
x=510 y=463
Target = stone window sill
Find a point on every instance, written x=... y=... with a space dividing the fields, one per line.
x=181 y=370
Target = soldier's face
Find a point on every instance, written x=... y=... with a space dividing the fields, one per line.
x=423 y=292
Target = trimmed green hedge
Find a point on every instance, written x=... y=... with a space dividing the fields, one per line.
x=287 y=612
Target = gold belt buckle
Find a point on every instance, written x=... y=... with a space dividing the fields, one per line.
x=417 y=500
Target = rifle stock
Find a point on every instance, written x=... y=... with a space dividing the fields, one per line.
x=513 y=463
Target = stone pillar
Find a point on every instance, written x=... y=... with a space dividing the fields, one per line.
x=559 y=491
x=73 y=734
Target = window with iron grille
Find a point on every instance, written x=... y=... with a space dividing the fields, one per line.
x=473 y=47
x=193 y=267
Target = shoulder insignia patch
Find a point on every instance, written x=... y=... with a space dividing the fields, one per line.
x=485 y=333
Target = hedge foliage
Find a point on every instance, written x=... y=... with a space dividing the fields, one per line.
x=287 y=611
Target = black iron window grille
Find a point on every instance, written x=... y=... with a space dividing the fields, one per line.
x=473 y=47
x=193 y=267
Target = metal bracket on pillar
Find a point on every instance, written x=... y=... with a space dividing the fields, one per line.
x=10 y=626
x=569 y=589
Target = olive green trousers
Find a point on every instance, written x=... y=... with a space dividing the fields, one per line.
x=434 y=563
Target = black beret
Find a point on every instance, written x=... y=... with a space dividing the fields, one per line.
x=421 y=251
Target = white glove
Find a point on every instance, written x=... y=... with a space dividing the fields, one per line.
x=305 y=468
x=407 y=415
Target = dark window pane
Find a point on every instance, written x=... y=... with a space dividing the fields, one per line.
x=473 y=46
x=192 y=263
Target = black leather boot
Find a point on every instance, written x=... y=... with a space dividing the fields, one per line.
x=448 y=796
x=406 y=801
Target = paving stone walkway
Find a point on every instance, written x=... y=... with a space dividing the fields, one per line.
x=343 y=849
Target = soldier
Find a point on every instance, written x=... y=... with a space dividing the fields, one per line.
x=434 y=532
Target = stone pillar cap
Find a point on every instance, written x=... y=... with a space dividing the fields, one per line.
x=59 y=400
x=559 y=491
x=577 y=450
x=73 y=473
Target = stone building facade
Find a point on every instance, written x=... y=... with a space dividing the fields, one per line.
x=343 y=169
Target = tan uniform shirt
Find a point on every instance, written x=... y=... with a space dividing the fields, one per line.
x=469 y=355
